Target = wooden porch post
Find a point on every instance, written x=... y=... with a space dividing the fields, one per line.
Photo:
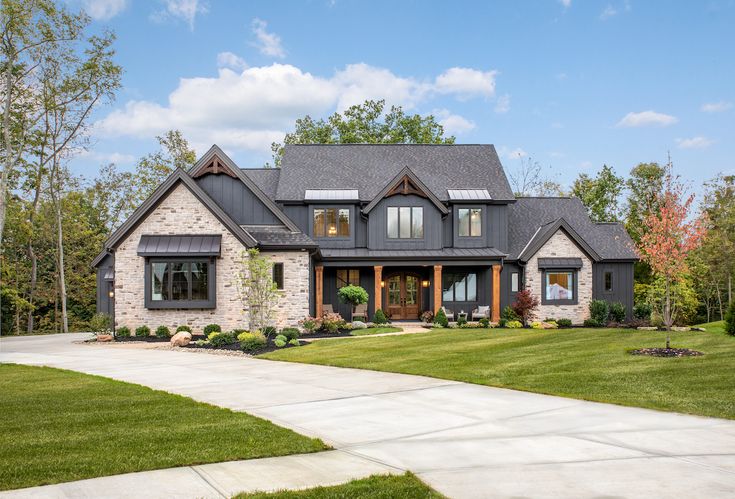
x=495 y=308
x=319 y=289
x=378 y=289
x=437 y=288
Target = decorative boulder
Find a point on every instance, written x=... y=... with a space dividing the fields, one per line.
x=104 y=337
x=647 y=328
x=181 y=339
x=358 y=325
x=680 y=328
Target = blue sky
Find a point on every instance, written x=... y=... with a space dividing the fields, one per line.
x=573 y=84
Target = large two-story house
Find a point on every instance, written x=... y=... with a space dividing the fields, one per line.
x=417 y=226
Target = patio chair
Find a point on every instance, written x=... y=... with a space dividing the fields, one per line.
x=361 y=311
x=481 y=312
x=448 y=313
x=327 y=308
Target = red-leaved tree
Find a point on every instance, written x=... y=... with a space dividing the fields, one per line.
x=668 y=238
x=525 y=305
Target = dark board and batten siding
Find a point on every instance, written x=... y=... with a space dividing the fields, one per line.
x=507 y=297
x=237 y=200
x=105 y=304
x=622 y=283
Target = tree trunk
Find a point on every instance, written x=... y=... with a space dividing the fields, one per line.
x=31 y=253
x=8 y=145
x=729 y=289
x=667 y=315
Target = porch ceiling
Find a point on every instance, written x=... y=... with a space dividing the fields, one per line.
x=446 y=256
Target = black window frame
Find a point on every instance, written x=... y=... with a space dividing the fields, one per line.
x=341 y=283
x=410 y=224
x=575 y=290
x=517 y=277
x=325 y=234
x=605 y=289
x=209 y=303
x=277 y=274
x=469 y=227
x=454 y=276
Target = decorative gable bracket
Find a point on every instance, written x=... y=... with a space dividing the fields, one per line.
x=405 y=187
x=215 y=166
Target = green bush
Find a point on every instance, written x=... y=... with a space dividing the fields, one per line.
x=617 y=312
x=461 y=320
x=100 y=323
x=201 y=343
x=513 y=324
x=250 y=342
x=642 y=311
x=269 y=331
x=592 y=323
x=502 y=322
x=236 y=332
x=599 y=310
x=291 y=333
x=564 y=323
x=657 y=319
x=280 y=341
x=509 y=314
x=221 y=339
x=123 y=332
x=354 y=295
x=142 y=331
x=294 y=343
x=211 y=328
x=162 y=332
x=332 y=323
x=485 y=322
x=441 y=318
x=730 y=319
x=184 y=327
x=379 y=317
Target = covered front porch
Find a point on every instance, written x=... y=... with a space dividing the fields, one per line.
x=405 y=288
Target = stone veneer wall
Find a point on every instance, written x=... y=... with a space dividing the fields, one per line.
x=560 y=246
x=182 y=213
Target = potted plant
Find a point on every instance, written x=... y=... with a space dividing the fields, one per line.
x=354 y=295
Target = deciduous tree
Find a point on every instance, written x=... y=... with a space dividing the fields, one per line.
x=600 y=194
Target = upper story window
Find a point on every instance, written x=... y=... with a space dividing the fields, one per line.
x=405 y=222
x=331 y=222
x=470 y=222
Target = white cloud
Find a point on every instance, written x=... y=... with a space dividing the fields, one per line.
x=646 y=118
x=252 y=107
x=508 y=153
x=453 y=124
x=232 y=61
x=267 y=43
x=694 y=143
x=466 y=82
x=108 y=157
x=184 y=10
x=561 y=76
x=715 y=107
x=608 y=12
x=103 y=10
x=503 y=104
x=566 y=3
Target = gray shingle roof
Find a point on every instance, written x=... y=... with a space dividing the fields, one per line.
x=277 y=239
x=265 y=178
x=530 y=216
x=369 y=167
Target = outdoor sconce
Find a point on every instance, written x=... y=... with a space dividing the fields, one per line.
x=111 y=294
x=382 y=284
x=425 y=284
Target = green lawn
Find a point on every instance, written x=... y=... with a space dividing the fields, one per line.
x=405 y=486
x=60 y=426
x=589 y=364
x=375 y=330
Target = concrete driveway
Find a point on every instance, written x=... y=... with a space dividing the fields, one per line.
x=464 y=440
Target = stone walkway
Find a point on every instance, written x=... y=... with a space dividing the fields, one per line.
x=464 y=440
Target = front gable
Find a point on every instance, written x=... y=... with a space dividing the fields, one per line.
x=406 y=183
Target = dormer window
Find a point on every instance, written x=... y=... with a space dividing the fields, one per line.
x=331 y=222
x=470 y=222
x=405 y=222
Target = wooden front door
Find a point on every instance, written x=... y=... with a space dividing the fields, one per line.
x=403 y=298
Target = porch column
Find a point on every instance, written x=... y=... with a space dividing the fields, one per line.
x=378 y=289
x=495 y=308
x=437 y=288
x=319 y=289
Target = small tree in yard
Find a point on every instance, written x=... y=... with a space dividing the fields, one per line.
x=354 y=295
x=258 y=292
x=669 y=236
x=730 y=319
x=525 y=305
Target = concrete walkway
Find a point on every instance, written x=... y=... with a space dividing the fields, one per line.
x=463 y=440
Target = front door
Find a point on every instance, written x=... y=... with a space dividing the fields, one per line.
x=404 y=296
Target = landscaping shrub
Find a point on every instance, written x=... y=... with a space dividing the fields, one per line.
x=513 y=324
x=509 y=314
x=427 y=316
x=236 y=332
x=280 y=341
x=201 y=343
x=211 y=328
x=525 y=305
x=461 y=320
x=484 y=322
x=100 y=323
x=269 y=331
x=221 y=339
x=592 y=323
x=730 y=319
x=354 y=295
x=441 y=319
x=379 y=317
x=332 y=323
x=142 y=331
x=564 y=323
x=294 y=343
x=162 y=332
x=250 y=342
x=183 y=327
x=656 y=319
x=544 y=325
x=599 y=310
x=123 y=332
x=642 y=311
x=310 y=324
x=617 y=312
x=502 y=323
x=291 y=333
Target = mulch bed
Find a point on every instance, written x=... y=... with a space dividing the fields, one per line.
x=271 y=347
x=667 y=352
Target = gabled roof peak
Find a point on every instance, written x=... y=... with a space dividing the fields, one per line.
x=406 y=183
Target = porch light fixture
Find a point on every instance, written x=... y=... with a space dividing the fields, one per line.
x=382 y=284
x=425 y=284
x=111 y=294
